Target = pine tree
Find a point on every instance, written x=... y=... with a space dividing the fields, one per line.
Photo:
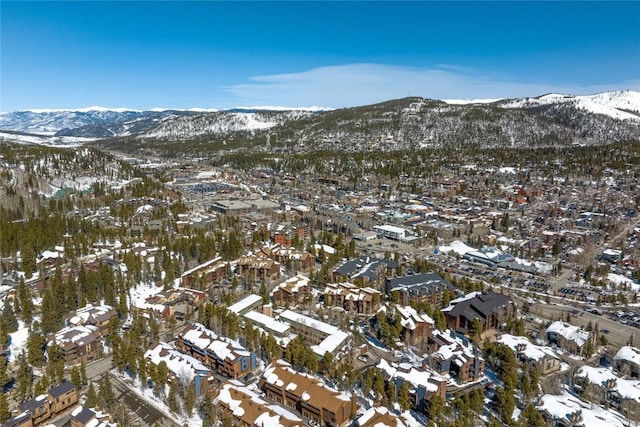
x=5 y=378
x=4 y=336
x=26 y=302
x=9 y=319
x=173 y=399
x=190 y=400
x=105 y=394
x=92 y=397
x=24 y=379
x=75 y=377
x=83 y=374
x=41 y=387
x=4 y=408
x=403 y=397
x=207 y=411
x=35 y=348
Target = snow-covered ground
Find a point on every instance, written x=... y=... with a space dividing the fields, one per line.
x=18 y=341
x=592 y=415
x=619 y=279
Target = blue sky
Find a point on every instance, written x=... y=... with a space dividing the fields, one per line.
x=330 y=54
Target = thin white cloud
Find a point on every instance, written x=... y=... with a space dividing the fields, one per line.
x=360 y=84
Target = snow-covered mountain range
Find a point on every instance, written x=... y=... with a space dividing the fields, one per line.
x=547 y=119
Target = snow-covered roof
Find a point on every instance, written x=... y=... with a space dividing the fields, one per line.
x=78 y=335
x=530 y=351
x=268 y=322
x=379 y=417
x=181 y=365
x=562 y=406
x=418 y=378
x=251 y=409
x=222 y=348
x=631 y=354
x=570 y=332
x=334 y=340
x=307 y=387
x=245 y=303
x=628 y=389
x=410 y=317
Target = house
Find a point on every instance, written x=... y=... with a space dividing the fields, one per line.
x=240 y=207
x=95 y=315
x=308 y=395
x=39 y=408
x=418 y=287
x=208 y=273
x=177 y=302
x=181 y=366
x=611 y=255
x=377 y=417
x=490 y=308
x=246 y=304
x=627 y=361
x=542 y=357
x=223 y=354
x=247 y=408
x=566 y=410
x=351 y=298
x=416 y=327
x=292 y=291
x=607 y=388
x=23 y=419
x=322 y=337
x=568 y=337
x=292 y=258
x=79 y=343
x=268 y=324
x=423 y=383
x=62 y=397
x=366 y=270
x=90 y=417
x=396 y=233
x=453 y=354
x=258 y=267
x=45 y=406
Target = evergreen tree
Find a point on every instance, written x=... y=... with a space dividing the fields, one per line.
x=83 y=374
x=207 y=411
x=75 y=377
x=5 y=378
x=41 y=387
x=92 y=397
x=9 y=319
x=531 y=417
x=24 y=379
x=403 y=397
x=26 y=302
x=35 y=347
x=190 y=400
x=172 y=400
x=4 y=336
x=4 y=408
x=106 y=395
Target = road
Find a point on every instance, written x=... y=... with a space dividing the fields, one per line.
x=144 y=412
x=618 y=335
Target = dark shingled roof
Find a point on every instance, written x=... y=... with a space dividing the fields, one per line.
x=61 y=389
x=84 y=416
x=420 y=284
x=32 y=404
x=481 y=306
x=351 y=267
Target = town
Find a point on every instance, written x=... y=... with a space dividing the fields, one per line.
x=495 y=288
